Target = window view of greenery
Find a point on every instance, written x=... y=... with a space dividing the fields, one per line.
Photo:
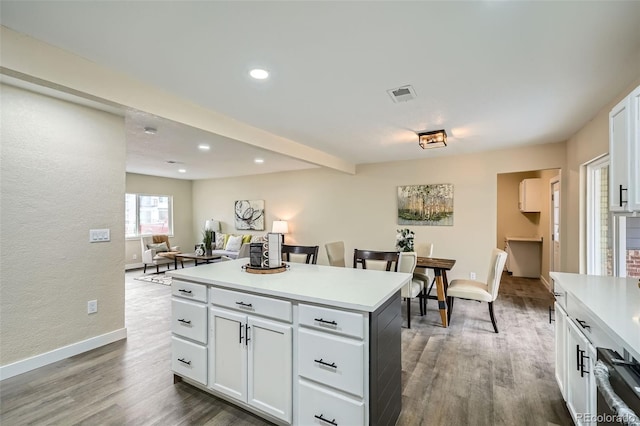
x=148 y=214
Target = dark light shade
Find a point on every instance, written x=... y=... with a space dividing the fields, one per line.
x=434 y=139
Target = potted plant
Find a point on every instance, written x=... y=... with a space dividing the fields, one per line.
x=207 y=240
x=404 y=240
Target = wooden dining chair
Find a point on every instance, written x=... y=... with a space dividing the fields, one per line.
x=360 y=257
x=478 y=290
x=311 y=253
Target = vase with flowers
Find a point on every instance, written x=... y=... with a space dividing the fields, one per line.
x=404 y=240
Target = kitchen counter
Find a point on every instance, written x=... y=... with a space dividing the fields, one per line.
x=353 y=289
x=615 y=302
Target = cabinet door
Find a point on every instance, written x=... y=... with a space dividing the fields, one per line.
x=270 y=367
x=228 y=355
x=561 y=349
x=634 y=190
x=619 y=152
x=580 y=386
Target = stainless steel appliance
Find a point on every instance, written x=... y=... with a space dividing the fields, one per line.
x=618 y=384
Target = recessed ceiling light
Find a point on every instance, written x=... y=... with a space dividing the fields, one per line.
x=150 y=130
x=258 y=161
x=182 y=170
x=204 y=147
x=259 y=74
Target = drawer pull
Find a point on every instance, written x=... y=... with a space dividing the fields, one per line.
x=244 y=305
x=556 y=294
x=331 y=422
x=583 y=324
x=323 y=321
x=182 y=290
x=184 y=321
x=320 y=361
x=182 y=360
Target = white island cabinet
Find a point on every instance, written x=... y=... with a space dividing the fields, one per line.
x=591 y=312
x=311 y=345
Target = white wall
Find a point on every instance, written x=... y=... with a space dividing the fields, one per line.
x=588 y=143
x=62 y=170
x=180 y=190
x=324 y=205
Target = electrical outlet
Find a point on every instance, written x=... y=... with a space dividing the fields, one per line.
x=135 y=257
x=472 y=275
x=92 y=306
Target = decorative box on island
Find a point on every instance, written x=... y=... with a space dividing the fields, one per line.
x=266 y=255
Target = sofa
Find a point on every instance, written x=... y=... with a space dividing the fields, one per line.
x=230 y=245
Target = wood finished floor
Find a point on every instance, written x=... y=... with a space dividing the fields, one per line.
x=463 y=375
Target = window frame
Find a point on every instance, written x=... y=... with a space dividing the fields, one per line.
x=593 y=234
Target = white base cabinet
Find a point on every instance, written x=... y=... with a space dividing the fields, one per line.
x=581 y=387
x=251 y=361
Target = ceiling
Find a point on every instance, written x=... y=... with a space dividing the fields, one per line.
x=493 y=74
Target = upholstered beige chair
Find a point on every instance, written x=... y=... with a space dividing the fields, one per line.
x=335 y=253
x=425 y=275
x=154 y=254
x=477 y=290
x=413 y=289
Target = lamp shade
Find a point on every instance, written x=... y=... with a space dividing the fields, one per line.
x=280 y=227
x=212 y=225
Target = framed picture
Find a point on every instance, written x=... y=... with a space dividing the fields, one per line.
x=249 y=214
x=430 y=205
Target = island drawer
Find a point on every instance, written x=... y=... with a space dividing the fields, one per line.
x=331 y=360
x=316 y=404
x=189 y=319
x=251 y=303
x=189 y=290
x=342 y=322
x=189 y=360
x=587 y=324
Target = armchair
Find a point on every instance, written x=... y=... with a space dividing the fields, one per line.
x=153 y=253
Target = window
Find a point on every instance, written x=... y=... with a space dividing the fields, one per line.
x=613 y=241
x=599 y=235
x=148 y=214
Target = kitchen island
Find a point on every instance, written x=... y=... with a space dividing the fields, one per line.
x=591 y=312
x=312 y=344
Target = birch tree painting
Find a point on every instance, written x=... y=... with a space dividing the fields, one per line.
x=426 y=205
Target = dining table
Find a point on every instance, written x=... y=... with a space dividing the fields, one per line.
x=440 y=268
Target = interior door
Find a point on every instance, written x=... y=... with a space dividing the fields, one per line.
x=555 y=224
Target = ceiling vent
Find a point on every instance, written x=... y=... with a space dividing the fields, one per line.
x=402 y=94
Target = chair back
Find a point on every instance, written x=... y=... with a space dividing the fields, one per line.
x=498 y=259
x=407 y=261
x=335 y=253
x=311 y=253
x=425 y=249
x=244 y=250
x=361 y=257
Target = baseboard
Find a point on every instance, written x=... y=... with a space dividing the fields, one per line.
x=546 y=283
x=133 y=266
x=22 y=366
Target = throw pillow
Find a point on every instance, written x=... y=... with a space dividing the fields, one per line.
x=257 y=239
x=246 y=238
x=234 y=243
x=220 y=240
x=159 y=248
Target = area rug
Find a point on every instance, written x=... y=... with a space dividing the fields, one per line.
x=158 y=279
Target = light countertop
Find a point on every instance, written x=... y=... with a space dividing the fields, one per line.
x=347 y=288
x=615 y=301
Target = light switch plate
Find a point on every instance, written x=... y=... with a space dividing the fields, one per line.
x=99 y=235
